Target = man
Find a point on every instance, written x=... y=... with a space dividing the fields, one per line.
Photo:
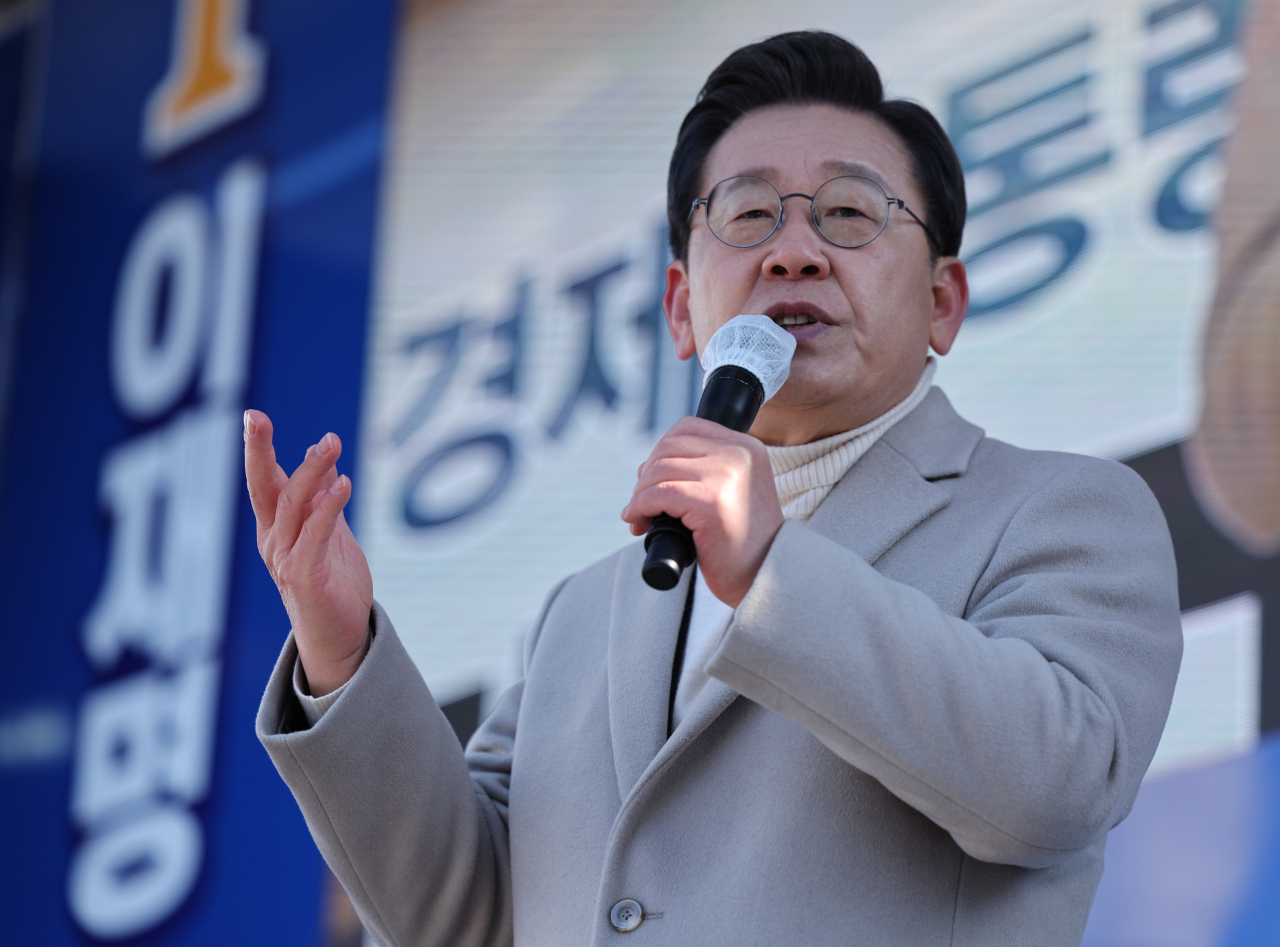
x=905 y=710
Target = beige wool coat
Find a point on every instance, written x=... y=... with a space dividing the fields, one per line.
x=931 y=707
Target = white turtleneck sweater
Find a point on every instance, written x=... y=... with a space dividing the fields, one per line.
x=803 y=475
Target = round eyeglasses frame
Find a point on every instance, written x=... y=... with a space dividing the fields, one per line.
x=704 y=203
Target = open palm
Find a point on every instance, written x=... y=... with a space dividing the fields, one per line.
x=317 y=565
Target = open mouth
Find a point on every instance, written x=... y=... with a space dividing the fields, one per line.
x=798 y=315
x=796 y=319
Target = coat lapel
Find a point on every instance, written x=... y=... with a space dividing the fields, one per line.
x=876 y=503
x=891 y=489
x=644 y=625
x=714 y=699
x=882 y=497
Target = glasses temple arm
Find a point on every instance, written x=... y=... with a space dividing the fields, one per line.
x=933 y=242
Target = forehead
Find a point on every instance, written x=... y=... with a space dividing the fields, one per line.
x=797 y=147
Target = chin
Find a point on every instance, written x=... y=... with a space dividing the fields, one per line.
x=803 y=397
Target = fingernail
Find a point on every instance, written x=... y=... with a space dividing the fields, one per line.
x=338 y=485
x=327 y=443
x=250 y=428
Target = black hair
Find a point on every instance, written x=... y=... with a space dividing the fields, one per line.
x=813 y=67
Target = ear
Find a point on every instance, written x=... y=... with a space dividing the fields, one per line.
x=950 y=302
x=675 y=301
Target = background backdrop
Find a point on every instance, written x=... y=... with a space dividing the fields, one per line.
x=437 y=229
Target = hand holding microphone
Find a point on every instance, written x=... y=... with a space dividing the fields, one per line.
x=746 y=362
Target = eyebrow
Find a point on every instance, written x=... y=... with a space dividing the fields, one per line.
x=858 y=168
x=834 y=167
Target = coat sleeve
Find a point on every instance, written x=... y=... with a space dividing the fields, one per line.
x=415 y=832
x=1022 y=728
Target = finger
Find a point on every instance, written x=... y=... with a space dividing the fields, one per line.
x=670 y=497
x=678 y=469
x=703 y=473
x=661 y=500
x=678 y=445
x=294 y=504
x=639 y=524
x=313 y=539
x=329 y=480
x=330 y=476
x=704 y=460
x=700 y=427
x=263 y=475
x=674 y=498
x=690 y=442
x=688 y=430
x=663 y=471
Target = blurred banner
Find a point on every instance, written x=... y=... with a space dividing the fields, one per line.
x=199 y=189
x=520 y=369
x=199 y=182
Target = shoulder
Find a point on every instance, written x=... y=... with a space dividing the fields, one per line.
x=1072 y=514
x=949 y=450
x=1033 y=472
x=1059 y=527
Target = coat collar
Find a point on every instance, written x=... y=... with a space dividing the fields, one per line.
x=644 y=625
x=934 y=439
x=884 y=495
x=892 y=488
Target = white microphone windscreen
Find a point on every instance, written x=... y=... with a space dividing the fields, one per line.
x=755 y=343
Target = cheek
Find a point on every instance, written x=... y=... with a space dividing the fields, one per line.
x=717 y=289
x=906 y=280
x=892 y=303
x=913 y=311
x=728 y=275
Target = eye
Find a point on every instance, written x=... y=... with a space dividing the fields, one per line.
x=845 y=212
x=756 y=214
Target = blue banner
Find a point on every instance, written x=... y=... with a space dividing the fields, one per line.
x=199 y=241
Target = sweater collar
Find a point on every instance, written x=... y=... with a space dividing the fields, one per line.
x=804 y=474
x=785 y=459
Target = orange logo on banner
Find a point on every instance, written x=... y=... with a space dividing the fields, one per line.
x=215 y=75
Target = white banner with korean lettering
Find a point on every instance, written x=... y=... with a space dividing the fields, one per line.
x=519 y=366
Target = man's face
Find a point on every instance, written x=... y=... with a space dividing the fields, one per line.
x=869 y=314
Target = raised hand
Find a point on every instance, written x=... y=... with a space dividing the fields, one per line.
x=311 y=554
x=720 y=484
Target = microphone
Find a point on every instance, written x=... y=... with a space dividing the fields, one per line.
x=746 y=361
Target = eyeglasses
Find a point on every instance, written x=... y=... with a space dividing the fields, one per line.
x=848 y=211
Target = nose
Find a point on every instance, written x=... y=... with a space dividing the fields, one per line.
x=795 y=250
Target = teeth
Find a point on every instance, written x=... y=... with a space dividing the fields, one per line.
x=797 y=320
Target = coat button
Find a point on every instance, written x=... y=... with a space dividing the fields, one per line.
x=626 y=915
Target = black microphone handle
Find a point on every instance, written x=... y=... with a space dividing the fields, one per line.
x=732 y=396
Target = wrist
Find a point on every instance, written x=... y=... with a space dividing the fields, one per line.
x=325 y=673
